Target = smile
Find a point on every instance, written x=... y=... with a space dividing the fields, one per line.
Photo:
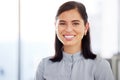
x=69 y=37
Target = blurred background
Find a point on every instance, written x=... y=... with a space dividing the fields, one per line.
x=27 y=34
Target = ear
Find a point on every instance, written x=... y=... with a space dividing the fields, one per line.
x=86 y=27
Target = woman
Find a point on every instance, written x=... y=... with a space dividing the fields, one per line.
x=73 y=59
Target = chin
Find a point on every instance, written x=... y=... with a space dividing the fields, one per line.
x=68 y=44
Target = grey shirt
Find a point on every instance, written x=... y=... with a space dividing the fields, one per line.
x=74 y=67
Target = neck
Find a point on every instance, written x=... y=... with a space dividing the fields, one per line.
x=72 y=49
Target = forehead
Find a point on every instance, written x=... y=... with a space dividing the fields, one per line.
x=72 y=14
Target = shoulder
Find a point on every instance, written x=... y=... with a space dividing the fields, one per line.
x=41 y=68
x=103 y=69
x=101 y=61
x=43 y=62
x=98 y=61
x=46 y=60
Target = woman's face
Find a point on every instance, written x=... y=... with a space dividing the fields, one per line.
x=70 y=28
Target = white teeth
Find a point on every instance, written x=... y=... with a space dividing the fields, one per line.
x=68 y=37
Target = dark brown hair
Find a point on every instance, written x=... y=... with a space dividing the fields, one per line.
x=86 y=48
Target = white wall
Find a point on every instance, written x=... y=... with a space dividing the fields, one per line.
x=109 y=28
x=119 y=25
x=9 y=39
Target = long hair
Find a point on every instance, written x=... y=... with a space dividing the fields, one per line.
x=86 y=48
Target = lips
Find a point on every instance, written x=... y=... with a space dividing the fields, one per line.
x=69 y=37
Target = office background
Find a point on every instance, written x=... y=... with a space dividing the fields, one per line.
x=27 y=33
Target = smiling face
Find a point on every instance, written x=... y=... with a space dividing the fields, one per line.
x=70 y=28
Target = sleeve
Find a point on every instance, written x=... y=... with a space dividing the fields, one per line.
x=40 y=71
x=104 y=71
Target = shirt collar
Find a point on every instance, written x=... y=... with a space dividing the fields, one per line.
x=72 y=57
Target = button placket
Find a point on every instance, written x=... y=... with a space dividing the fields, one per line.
x=71 y=67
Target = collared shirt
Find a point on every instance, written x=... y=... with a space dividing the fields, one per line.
x=74 y=67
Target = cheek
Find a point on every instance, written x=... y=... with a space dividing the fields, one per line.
x=80 y=31
x=59 y=30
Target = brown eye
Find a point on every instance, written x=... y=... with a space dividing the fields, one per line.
x=61 y=23
x=75 y=24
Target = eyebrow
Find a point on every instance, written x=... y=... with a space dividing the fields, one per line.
x=76 y=21
x=72 y=21
x=62 y=21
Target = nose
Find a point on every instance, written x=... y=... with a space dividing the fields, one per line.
x=69 y=28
